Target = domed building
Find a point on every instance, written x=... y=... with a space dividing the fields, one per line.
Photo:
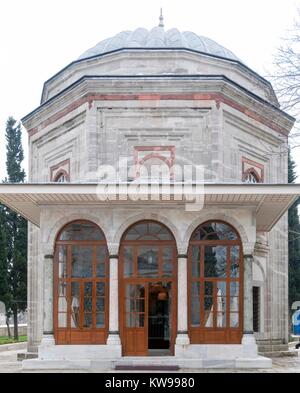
x=157 y=202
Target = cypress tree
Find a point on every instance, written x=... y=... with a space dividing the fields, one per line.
x=16 y=227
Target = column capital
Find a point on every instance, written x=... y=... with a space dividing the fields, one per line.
x=184 y=256
x=113 y=256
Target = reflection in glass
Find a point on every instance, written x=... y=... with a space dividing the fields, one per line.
x=81 y=231
x=88 y=320
x=214 y=231
x=195 y=307
x=215 y=261
x=100 y=320
x=234 y=319
x=62 y=259
x=128 y=261
x=221 y=319
x=82 y=262
x=234 y=261
x=75 y=304
x=167 y=261
x=101 y=254
x=195 y=261
x=62 y=320
x=148 y=231
x=148 y=261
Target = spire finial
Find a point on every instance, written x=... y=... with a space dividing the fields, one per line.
x=161 y=19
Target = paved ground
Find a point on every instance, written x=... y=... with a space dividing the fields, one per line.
x=9 y=364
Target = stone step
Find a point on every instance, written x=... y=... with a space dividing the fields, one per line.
x=278 y=354
x=272 y=348
x=146 y=367
x=26 y=355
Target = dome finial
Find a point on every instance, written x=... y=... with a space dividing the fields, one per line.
x=161 y=19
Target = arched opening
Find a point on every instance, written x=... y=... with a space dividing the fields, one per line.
x=81 y=273
x=251 y=176
x=148 y=290
x=62 y=177
x=215 y=276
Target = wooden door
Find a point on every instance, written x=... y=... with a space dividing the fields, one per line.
x=136 y=319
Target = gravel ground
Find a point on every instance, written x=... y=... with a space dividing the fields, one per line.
x=9 y=364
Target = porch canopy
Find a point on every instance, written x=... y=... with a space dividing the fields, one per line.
x=268 y=201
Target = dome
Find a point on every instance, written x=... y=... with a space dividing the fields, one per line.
x=159 y=38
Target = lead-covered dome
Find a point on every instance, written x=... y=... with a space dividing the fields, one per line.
x=159 y=38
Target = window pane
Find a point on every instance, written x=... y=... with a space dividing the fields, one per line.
x=100 y=320
x=215 y=261
x=221 y=319
x=100 y=289
x=195 y=261
x=88 y=305
x=221 y=296
x=234 y=261
x=140 y=305
x=208 y=288
x=82 y=231
x=140 y=320
x=62 y=261
x=62 y=304
x=148 y=261
x=82 y=262
x=75 y=304
x=101 y=255
x=130 y=319
x=234 y=289
x=195 y=303
x=128 y=262
x=88 y=320
x=62 y=320
x=234 y=319
x=167 y=261
x=234 y=304
x=62 y=289
x=208 y=312
x=100 y=304
x=88 y=289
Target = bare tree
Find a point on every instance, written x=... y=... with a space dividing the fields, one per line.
x=286 y=77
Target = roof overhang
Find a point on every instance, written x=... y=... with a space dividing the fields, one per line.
x=268 y=201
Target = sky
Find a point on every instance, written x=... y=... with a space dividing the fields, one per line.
x=38 y=38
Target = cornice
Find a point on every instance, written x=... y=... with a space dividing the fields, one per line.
x=193 y=88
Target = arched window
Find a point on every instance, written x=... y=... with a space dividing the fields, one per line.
x=215 y=284
x=62 y=177
x=251 y=176
x=81 y=285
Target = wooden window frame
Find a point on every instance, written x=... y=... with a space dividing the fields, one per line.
x=76 y=335
x=215 y=335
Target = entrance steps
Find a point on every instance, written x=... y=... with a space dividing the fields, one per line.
x=150 y=363
x=274 y=348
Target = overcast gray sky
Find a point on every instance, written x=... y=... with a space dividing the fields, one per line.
x=38 y=38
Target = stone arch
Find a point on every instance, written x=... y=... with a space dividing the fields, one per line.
x=63 y=221
x=214 y=217
x=146 y=216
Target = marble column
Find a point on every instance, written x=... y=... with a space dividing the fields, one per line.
x=182 y=316
x=248 y=341
x=113 y=335
x=48 y=334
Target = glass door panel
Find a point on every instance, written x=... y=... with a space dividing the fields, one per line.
x=135 y=330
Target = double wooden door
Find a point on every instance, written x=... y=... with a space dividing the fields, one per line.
x=148 y=298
